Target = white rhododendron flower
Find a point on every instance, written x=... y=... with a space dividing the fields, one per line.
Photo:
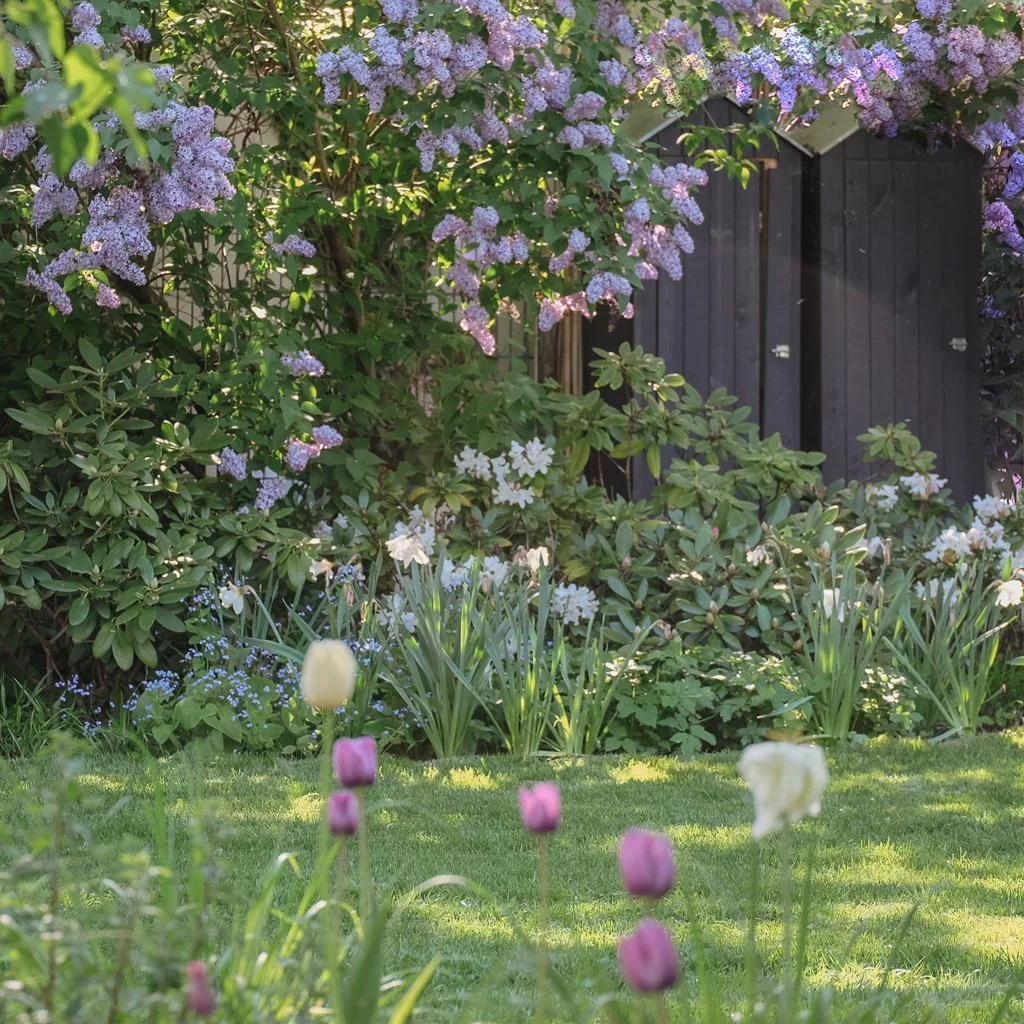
x=233 y=596
x=786 y=780
x=922 y=485
x=494 y=572
x=531 y=460
x=884 y=496
x=1009 y=594
x=509 y=493
x=473 y=463
x=759 y=556
x=574 y=603
x=990 y=508
x=328 y=677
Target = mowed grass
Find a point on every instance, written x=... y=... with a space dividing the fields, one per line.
x=902 y=822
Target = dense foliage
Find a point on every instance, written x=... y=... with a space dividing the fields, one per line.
x=236 y=359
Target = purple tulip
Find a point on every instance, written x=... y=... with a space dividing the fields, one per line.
x=355 y=761
x=343 y=813
x=648 y=958
x=646 y=864
x=540 y=807
x=199 y=997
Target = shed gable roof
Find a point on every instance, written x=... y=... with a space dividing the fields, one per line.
x=835 y=124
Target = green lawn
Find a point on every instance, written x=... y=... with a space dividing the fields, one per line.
x=901 y=821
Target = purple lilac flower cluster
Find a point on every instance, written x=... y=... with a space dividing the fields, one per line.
x=293 y=245
x=300 y=453
x=122 y=204
x=417 y=52
x=303 y=364
x=232 y=464
x=477 y=248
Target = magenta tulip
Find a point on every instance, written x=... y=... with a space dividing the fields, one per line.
x=199 y=996
x=646 y=864
x=540 y=807
x=355 y=761
x=648 y=958
x=343 y=813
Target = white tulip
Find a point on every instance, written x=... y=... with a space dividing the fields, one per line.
x=328 y=674
x=786 y=780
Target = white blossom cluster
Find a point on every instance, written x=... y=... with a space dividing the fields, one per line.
x=574 y=604
x=953 y=545
x=884 y=496
x=509 y=470
x=922 y=485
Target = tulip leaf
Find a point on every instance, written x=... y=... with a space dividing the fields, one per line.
x=360 y=991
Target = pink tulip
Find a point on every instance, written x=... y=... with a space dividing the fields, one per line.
x=355 y=761
x=343 y=813
x=540 y=807
x=646 y=864
x=200 y=997
x=648 y=958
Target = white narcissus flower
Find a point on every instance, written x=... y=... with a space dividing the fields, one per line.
x=408 y=548
x=233 y=596
x=786 y=780
x=1009 y=594
x=328 y=674
x=830 y=599
x=321 y=567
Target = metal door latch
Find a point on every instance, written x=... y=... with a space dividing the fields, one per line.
x=781 y=351
x=958 y=344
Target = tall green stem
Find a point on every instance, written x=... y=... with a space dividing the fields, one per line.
x=326 y=786
x=544 y=874
x=365 y=884
x=334 y=933
x=661 y=1008
x=751 y=950
x=785 y=881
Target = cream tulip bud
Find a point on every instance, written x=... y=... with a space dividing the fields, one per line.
x=328 y=674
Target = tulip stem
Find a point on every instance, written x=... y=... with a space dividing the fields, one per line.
x=544 y=874
x=785 y=880
x=364 y=861
x=326 y=785
x=340 y=879
x=661 y=1009
x=334 y=933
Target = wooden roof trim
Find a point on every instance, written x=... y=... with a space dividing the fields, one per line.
x=837 y=123
x=648 y=134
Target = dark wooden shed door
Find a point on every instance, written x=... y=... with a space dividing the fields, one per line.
x=733 y=321
x=899 y=236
